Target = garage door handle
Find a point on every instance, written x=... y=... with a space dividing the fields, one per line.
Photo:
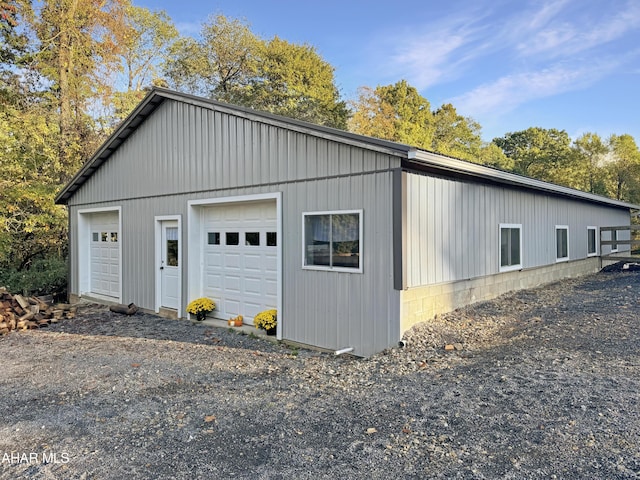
x=161 y=268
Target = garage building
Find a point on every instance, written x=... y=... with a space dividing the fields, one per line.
x=352 y=239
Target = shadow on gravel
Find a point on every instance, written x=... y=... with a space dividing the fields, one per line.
x=102 y=322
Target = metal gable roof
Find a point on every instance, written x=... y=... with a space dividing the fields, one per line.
x=412 y=156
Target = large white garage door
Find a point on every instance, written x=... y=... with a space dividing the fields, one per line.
x=240 y=258
x=105 y=254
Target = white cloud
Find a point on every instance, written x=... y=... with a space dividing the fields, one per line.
x=574 y=34
x=510 y=91
x=436 y=52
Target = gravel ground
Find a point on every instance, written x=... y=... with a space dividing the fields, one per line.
x=543 y=383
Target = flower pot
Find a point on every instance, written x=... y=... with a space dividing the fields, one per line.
x=271 y=331
x=237 y=322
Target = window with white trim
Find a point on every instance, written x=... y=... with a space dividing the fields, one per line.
x=614 y=237
x=332 y=240
x=592 y=241
x=510 y=247
x=562 y=243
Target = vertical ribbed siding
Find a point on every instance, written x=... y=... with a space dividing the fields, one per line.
x=183 y=148
x=183 y=152
x=454 y=227
x=336 y=309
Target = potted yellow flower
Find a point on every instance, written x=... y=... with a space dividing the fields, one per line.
x=200 y=307
x=267 y=320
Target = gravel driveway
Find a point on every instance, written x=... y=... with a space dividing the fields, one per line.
x=544 y=383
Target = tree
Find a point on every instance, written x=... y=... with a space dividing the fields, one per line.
x=623 y=168
x=294 y=81
x=218 y=66
x=8 y=14
x=233 y=65
x=455 y=135
x=590 y=153
x=394 y=112
x=145 y=46
x=146 y=42
x=539 y=153
x=79 y=42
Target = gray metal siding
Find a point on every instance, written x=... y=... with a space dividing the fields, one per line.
x=453 y=227
x=183 y=152
x=184 y=148
x=337 y=309
x=327 y=309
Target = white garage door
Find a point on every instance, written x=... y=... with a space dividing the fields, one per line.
x=240 y=258
x=105 y=254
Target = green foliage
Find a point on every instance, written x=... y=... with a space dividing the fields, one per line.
x=590 y=153
x=46 y=275
x=539 y=153
x=233 y=65
x=623 y=168
x=394 y=112
x=8 y=14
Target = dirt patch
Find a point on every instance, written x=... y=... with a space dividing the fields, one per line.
x=542 y=384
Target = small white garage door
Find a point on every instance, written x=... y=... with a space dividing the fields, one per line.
x=105 y=254
x=240 y=258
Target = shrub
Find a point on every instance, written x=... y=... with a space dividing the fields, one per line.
x=200 y=307
x=266 y=320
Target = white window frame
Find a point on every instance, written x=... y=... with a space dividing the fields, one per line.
x=360 y=239
x=614 y=238
x=595 y=229
x=509 y=268
x=562 y=227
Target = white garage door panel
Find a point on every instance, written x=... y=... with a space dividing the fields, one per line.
x=241 y=278
x=105 y=254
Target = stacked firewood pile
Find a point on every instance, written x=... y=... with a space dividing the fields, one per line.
x=23 y=313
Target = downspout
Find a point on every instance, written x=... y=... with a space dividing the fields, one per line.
x=344 y=350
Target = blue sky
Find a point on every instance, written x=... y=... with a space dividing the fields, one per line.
x=566 y=64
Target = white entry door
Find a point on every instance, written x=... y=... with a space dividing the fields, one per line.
x=170 y=264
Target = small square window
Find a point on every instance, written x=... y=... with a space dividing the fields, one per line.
x=252 y=239
x=114 y=237
x=213 y=238
x=272 y=239
x=232 y=238
x=104 y=237
x=95 y=236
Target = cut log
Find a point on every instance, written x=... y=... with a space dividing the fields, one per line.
x=124 y=309
x=4 y=331
x=63 y=306
x=21 y=301
x=26 y=317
